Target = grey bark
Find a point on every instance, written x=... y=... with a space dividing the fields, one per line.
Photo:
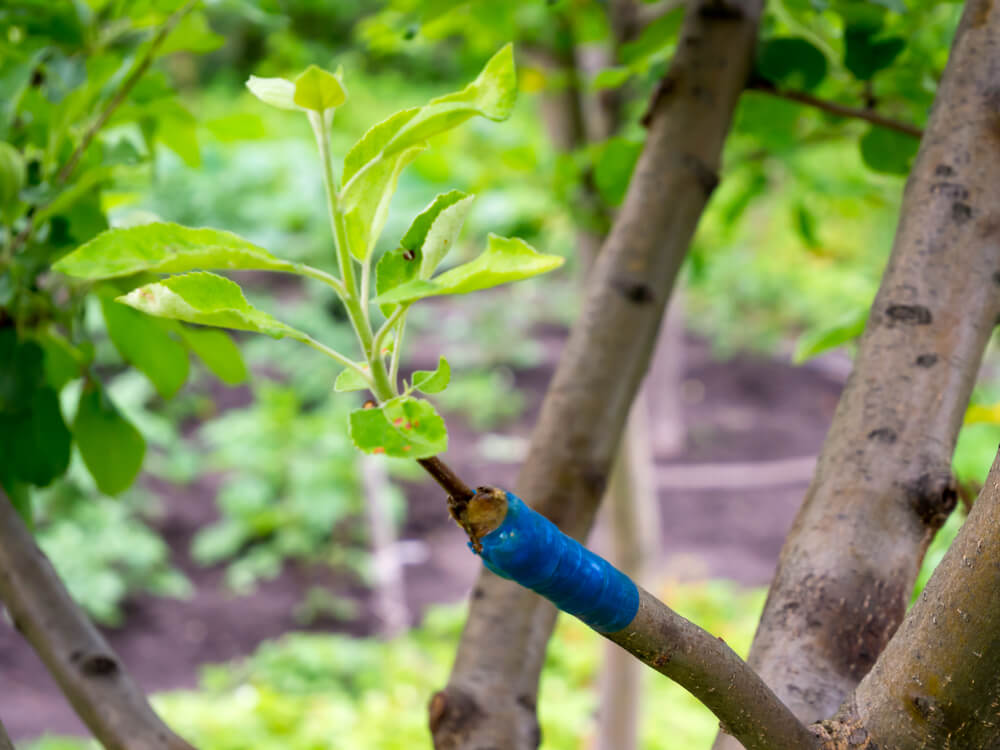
x=883 y=485
x=490 y=697
x=89 y=673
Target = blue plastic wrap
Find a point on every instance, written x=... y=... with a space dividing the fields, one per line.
x=531 y=550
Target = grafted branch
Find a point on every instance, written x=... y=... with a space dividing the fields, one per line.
x=883 y=485
x=89 y=673
x=490 y=698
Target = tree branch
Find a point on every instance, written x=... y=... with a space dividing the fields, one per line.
x=89 y=673
x=937 y=684
x=883 y=485
x=5 y=743
x=490 y=698
x=834 y=108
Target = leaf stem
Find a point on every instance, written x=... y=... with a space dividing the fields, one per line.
x=328 y=279
x=389 y=324
x=397 y=351
x=339 y=358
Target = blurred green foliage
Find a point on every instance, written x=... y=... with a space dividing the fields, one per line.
x=304 y=691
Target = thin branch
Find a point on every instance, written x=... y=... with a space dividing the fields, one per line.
x=834 y=108
x=458 y=491
x=90 y=674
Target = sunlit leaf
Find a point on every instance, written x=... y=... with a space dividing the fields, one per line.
x=144 y=344
x=432 y=381
x=504 y=260
x=207 y=299
x=278 y=92
x=318 y=90
x=166 y=248
x=350 y=380
x=218 y=352
x=111 y=447
x=403 y=427
x=442 y=235
x=815 y=343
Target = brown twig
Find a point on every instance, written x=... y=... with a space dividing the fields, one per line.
x=459 y=493
x=834 y=108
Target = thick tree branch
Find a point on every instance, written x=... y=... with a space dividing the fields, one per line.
x=90 y=674
x=937 y=684
x=883 y=484
x=490 y=698
x=5 y=743
x=834 y=108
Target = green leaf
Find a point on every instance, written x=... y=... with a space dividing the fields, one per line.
x=144 y=344
x=792 y=62
x=192 y=34
x=441 y=236
x=350 y=380
x=434 y=381
x=614 y=167
x=403 y=427
x=394 y=269
x=111 y=447
x=816 y=342
x=655 y=37
x=21 y=369
x=166 y=248
x=63 y=362
x=218 y=353
x=421 y=225
x=491 y=95
x=611 y=78
x=318 y=90
x=35 y=438
x=505 y=260
x=209 y=300
x=888 y=151
x=865 y=56
x=367 y=196
x=278 y=92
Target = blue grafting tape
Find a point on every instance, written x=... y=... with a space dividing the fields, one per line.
x=531 y=550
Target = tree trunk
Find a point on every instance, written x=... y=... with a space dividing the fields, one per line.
x=90 y=674
x=490 y=698
x=883 y=484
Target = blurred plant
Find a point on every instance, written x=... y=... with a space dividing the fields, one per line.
x=297 y=692
x=292 y=484
x=85 y=103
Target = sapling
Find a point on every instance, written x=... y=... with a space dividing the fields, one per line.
x=513 y=540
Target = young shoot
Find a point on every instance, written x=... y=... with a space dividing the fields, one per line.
x=376 y=296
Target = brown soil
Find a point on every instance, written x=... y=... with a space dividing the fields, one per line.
x=749 y=409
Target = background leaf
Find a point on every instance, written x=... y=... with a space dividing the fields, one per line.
x=111 y=447
x=888 y=151
x=144 y=343
x=218 y=352
x=793 y=62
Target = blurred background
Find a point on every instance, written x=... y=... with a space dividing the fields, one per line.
x=273 y=588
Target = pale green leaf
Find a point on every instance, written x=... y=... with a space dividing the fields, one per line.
x=166 y=248
x=278 y=92
x=442 y=234
x=111 y=447
x=144 y=344
x=366 y=200
x=350 y=380
x=207 y=299
x=318 y=89
x=403 y=427
x=505 y=260
x=192 y=34
x=218 y=352
x=492 y=95
x=432 y=381
x=420 y=226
